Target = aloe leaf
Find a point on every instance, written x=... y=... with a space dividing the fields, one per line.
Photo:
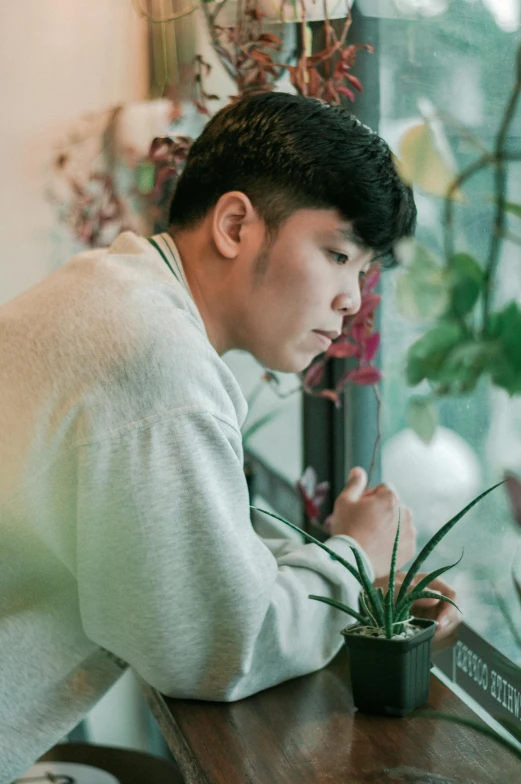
x=388 y=617
x=439 y=596
x=425 y=581
x=436 y=539
x=310 y=538
x=339 y=606
x=368 y=587
x=483 y=728
x=389 y=599
x=403 y=614
x=381 y=597
x=364 y=606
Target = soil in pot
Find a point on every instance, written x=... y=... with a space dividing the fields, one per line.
x=390 y=676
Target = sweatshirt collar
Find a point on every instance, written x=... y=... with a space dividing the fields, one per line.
x=165 y=246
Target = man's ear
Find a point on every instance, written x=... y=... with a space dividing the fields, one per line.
x=232 y=216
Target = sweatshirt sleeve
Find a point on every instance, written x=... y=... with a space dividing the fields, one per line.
x=174 y=580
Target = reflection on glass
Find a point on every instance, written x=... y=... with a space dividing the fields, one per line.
x=462 y=63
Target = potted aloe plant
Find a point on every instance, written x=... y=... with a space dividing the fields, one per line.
x=390 y=649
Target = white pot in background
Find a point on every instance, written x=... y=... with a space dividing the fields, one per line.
x=291 y=10
x=279 y=11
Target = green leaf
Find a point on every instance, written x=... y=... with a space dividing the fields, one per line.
x=365 y=606
x=339 y=606
x=404 y=612
x=504 y=328
x=310 y=538
x=515 y=209
x=435 y=540
x=146 y=175
x=372 y=595
x=425 y=357
x=424 y=582
x=389 y=599
x=423 y=417
x=258 y=424
x=467 y=280
x=439 y=596
x=422 y=290
x=422 y=161
x=464 y=365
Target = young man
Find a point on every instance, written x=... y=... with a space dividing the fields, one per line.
x=125 y=523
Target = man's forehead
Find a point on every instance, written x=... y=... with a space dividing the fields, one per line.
x=330 y=225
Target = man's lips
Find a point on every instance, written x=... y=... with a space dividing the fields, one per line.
x=332 y=334
x=326 y=338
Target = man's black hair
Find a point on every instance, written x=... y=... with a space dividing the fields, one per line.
x=286 y=153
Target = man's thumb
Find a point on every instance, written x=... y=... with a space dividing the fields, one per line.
x=356 y=483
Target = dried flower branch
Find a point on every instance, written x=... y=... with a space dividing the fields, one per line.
x=247 y=53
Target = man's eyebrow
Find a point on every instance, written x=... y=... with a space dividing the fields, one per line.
x=348 y=235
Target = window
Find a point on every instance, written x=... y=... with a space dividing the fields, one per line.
x=461 y=61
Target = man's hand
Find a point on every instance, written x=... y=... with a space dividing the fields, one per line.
x=447 y=616
x=371 y=517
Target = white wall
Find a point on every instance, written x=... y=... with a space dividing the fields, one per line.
x=58 y=59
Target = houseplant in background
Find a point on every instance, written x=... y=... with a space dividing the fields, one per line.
x=468 y=339
x=389 y=650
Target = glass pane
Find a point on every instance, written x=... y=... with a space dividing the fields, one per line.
x=461 y=61
x=278 y=440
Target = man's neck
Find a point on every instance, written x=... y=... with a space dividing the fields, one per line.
x=208 y=283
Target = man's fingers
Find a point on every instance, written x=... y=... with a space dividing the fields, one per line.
x=448 y=616
x=356 y=484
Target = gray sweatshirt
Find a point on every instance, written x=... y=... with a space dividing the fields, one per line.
x=124 y=514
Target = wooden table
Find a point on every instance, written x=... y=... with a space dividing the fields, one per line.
x=306 y=731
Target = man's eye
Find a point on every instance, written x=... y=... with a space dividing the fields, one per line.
x=339 y=258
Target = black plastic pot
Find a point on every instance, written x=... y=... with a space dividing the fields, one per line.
x=390 y=676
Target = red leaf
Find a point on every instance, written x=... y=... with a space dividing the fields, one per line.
x=270 y=39
x=355 y=82
x=314 y=83
x=369 y=304
x=321 y=56
x=371 y=347
x=200 y=107
x=321 y=492
x=330 y=394
x=359 y=332
x=365 y=376
x=341 y=349
x=345 y=91
x=312 y=510
x=310 y=507
x=314 y=373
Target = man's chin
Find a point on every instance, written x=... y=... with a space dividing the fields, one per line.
x=290 y=364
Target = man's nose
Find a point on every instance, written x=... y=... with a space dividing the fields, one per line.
x=347 y=303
